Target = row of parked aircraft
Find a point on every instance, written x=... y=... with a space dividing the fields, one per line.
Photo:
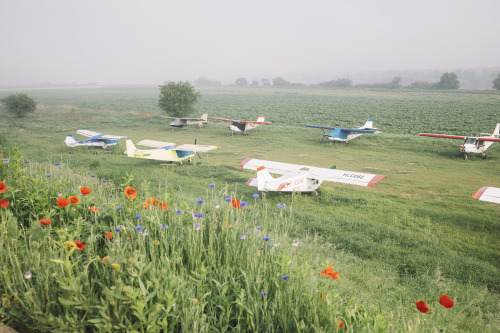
x=294 y=177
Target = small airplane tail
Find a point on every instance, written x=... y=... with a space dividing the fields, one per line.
x=204 y=116
x=496 y=132
x=71 y=141
x=263 y=176
x=369 y=124
x=261 y=118
x=130 y=148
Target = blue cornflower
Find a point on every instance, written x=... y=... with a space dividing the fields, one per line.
x=35 y=174
x=198 y=215
x=70 y=152
x=164 y=226
x=119 y=208
x=104 y=181
x=281 y=205
x=263 y=293
x=48 y=176
x=243 y=204
x=255 y=196
x=200 y=202
x=196 y=227
x=6 y=160
x=242 y=236
x=179 y=211
x=26 y=162
x=284 y=277
x=211 y=185
x=118 y=229
x=258 y=227
x=138 y=216
x=57 y=164
x=267 y=239
x=255 y=217
x=139 y=227
x=111 y=196
x=228 y=199
x=92 y=176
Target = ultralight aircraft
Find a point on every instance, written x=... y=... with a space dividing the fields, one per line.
x=488 y=193
x=183 y=122
x=165 y=151
x=301 y=178
x=346 y=134
x=472 y=144
x=96 y=139
x=244 y=126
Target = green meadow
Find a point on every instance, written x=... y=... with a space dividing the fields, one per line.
x=416 y=235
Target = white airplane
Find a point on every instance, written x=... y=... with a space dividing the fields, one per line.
x=488 y=193
x=472 y=144
x=96 y=139
x=182 y=122
x=165 y=151
x=346 y=134
x=244 y=126
x=301 y=178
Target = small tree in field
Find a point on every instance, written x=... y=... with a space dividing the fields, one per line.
x=177 y=99
x=19 y=104
x=496 y=83
x=448 y=81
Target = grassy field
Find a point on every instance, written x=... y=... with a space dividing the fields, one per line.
x=414 y=236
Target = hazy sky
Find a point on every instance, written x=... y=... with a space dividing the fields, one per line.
x=153 y=41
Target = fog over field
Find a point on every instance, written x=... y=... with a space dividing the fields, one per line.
x=137 y=42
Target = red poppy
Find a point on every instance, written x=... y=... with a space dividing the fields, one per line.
x=94 y=209
x=109 y=235
x=341 y=324
x=4 y=203
x=104 y=259
x=422 y=307
x=145 y=205
x=3 y=187
x=151 y=201
x=236 y=204
x=162 y=205
x=62 y=202
x=446 y=301
x=79 y=245
x=330 y=273
x=74 y=200
x=130 y=192
x=85 y=190
x=45 y=222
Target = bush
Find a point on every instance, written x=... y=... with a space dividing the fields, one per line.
x=19 y=104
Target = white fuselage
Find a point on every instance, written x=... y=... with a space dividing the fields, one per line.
x=297 y=181
x=471 y=145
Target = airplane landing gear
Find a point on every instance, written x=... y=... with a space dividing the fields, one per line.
x=465 y=156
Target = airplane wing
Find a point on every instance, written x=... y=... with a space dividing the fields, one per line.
x=488 y=138
x=155 y=144
x=340 y=176
x=196 y=148
x=87 y=133
x=348 y=130
x=256 y=122
x=487 y=193
x=444 y=136
x=101 y=136
x=223 y=119
x=197 y=119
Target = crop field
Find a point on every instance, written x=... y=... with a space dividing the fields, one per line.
x=416 y=235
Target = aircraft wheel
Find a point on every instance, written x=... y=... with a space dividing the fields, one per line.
x=465 y=156
x=485 y=157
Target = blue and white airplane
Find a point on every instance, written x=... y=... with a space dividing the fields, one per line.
x=346 y=134
x=96 y=139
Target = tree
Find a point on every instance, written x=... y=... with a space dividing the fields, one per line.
x=448 y=81
x=280 y=82
x=496 y=83
x=265 y=82
x=19 y=104
x=177 y=99
x=241 y=81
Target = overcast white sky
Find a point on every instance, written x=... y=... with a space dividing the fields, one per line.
x=153 y=41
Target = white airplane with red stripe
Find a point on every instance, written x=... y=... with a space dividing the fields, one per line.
x=488 y=193
x=475 y=145
x=301 y=178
